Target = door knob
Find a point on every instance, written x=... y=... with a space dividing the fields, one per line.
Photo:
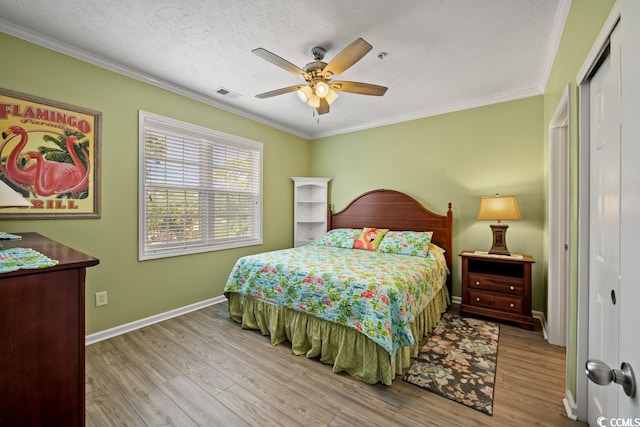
x=600 y=373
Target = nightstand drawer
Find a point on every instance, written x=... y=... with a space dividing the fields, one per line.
x=481 y=298
x=500 y=302
x=510 y=285
x=508 y=304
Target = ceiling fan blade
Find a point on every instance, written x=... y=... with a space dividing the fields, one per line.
x=279 y=92
x=360 y=88
x=347 y=57
x=324 y=106
x=280 y=62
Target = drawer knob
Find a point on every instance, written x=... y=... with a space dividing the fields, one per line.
x=511 y=305
x=477 y=283
x=478 y=299
x=512 y=288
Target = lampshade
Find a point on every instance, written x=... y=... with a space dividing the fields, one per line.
x=10 y=198
x=331 y=96
x=311 y=94
x=498 y=208
x=304 y=93
x=313 y=101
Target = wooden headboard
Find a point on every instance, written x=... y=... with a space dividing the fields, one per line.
x=397 y=211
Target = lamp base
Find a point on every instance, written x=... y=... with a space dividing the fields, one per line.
x=499 y=239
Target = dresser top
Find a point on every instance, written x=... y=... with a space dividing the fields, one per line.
x=505 y=258
x=67 y=257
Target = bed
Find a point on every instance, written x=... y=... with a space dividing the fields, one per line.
x=362 y=311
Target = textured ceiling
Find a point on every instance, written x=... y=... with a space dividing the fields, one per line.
x=441 y=55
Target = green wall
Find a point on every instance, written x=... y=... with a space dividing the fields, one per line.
x=458 y=158
x=461 y=156
x=140 y=289
x=585 y=20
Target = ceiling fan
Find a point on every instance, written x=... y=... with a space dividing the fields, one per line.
x=319 y=91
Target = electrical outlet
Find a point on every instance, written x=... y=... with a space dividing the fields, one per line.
x=101 y=298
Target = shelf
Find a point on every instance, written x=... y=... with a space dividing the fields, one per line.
x=496 y=268
x=310 y=209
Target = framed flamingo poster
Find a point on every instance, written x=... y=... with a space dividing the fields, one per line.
x=50 y=153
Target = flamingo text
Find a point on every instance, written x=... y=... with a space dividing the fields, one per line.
x=53 y=204
x=43 y=114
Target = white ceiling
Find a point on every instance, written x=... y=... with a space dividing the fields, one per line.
x=442 y=55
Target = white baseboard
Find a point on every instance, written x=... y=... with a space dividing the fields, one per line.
x=543 y=322
x=570 y=406
x=128 y=327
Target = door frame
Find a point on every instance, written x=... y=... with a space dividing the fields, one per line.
x=582 y=317
x=559 y=250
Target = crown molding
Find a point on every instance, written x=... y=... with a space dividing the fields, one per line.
x=66 y=49
x=556 y=36
x=443 y=109
x=82 y=55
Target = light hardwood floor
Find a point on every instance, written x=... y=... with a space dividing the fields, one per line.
x=202 y=369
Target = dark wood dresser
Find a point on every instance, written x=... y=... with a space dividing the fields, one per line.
x=497 y=287
x=42 y=329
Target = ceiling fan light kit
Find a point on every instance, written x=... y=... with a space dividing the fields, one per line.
x=331 y=96
x=319 y=91
x=322 y=88
x=304 y=92
x=314 y=101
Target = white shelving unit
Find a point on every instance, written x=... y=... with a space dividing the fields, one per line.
x=309 y=209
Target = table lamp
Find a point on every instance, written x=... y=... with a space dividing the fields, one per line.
x=499 y=208
x=9 y=198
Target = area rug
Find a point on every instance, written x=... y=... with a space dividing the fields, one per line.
x=458 y=361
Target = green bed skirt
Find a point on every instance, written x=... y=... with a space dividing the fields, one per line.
x=346 y=349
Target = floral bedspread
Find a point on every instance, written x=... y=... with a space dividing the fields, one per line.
x=379 y=294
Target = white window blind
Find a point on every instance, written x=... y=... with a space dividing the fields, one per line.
x=200 y=190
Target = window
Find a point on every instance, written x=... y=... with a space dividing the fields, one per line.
x=200 y=190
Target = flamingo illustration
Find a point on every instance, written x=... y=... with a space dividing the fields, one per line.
x=48 y=175
x=80 y=180
x=58 y=177
x=26 y=175
x=369 y=236
x=45 y=176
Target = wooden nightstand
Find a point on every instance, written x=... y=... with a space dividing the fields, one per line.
x=498 y=287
